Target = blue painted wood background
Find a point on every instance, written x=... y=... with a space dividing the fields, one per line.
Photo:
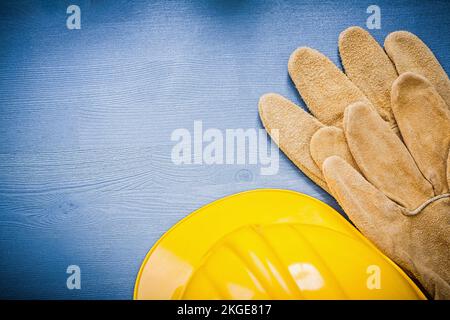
x=86 y=117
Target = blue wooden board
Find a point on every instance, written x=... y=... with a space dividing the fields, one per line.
x=86 y=116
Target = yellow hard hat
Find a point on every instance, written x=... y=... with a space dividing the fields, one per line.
x=269 y=244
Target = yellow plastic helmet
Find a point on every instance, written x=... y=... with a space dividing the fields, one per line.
x=269 y=244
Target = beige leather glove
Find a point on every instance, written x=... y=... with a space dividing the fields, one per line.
x=421 y=248
x=401 y=201
x=327 y=92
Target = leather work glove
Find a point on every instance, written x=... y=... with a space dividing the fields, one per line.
x=401 y=198
x=418 y=239
x=327 y=91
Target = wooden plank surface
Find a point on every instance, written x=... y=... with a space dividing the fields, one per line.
x=86 y=117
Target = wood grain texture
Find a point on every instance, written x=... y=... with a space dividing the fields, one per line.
x=86 y=117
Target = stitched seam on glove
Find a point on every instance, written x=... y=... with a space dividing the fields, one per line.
x=425 y=204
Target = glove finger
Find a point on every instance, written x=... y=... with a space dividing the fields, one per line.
x=409 y=53
x=325 y=89
x=424 y=121
x=367 y=207
x=330 y=141
x=295 y=129
x=383 y=158
x=367 y=65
